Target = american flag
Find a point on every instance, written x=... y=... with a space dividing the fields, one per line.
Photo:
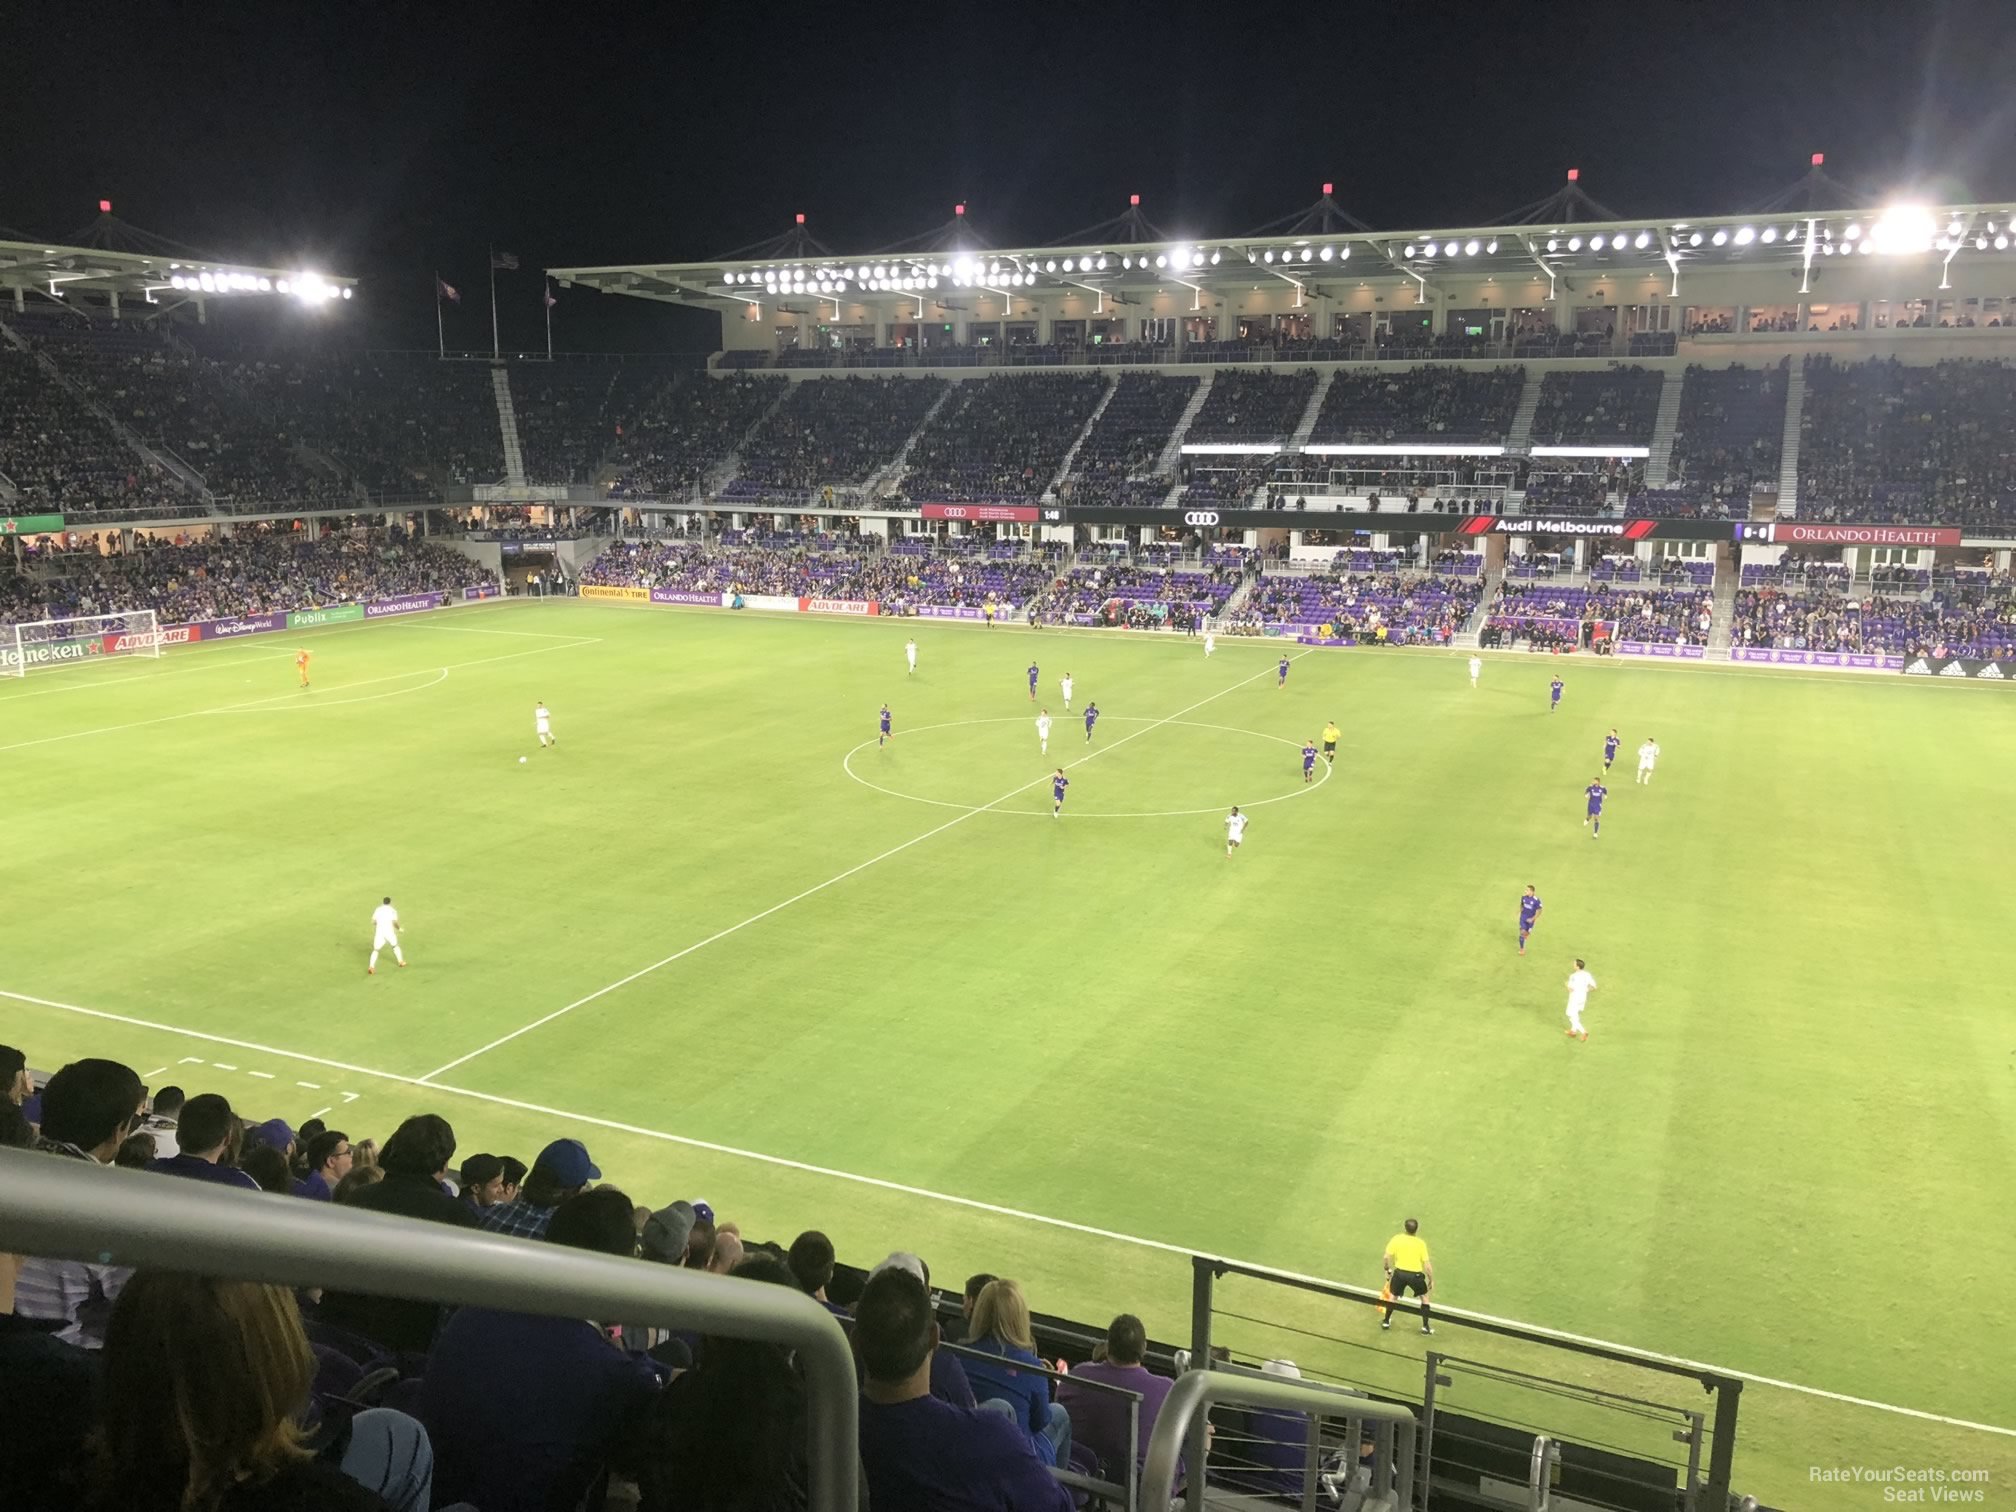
x=505 y=260
x=445 y=290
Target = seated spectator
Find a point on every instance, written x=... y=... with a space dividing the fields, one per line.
x=205 y=1386
x=1099 y=1418
x=728 y=1253
x=360 y=1179
x=949 y=1381
x=526 y=1411
x=88 y=1109
x=415 y=1160
x=137 y=1153
x=811 y=1260
x=729 y=1435
x=563 y=1170
x=207 y=1140
x=919 y=1451
x=975 y=1284
x=162 y=1113
x=15 y=1083
x=329 y=1161
x=1001 y=1329
x=275 y=1132
x=47 y=1391
x=483 y=1182
x=268 y=1169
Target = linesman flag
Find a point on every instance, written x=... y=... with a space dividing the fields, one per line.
x=508 y=261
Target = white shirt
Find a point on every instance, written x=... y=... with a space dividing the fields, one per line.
x=542 y=714
x=1043 y=725
x=1648 y=753
x=1580 y=985
x=910 y=650
x=1235 y=826
x=385 y=918
x=1067 y=687
x=1476 y=666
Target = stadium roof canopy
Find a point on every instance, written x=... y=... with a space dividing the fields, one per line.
x=112 y=262
x=1307 y=257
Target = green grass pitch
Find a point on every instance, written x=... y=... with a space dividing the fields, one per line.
x=1788 y=1147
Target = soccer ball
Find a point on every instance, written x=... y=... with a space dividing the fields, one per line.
x=521 y=761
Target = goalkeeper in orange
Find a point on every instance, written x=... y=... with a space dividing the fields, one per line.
x=301 y=664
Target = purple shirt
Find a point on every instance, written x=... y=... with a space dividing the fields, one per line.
x=925 y=1455
x=1099 y=1418
x=198 y=1169
x=313 y=1187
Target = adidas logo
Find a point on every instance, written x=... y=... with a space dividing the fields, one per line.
x=1953 y=669
x=1918 y=668
x=1992 y=670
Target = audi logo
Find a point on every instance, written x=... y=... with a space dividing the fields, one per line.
x=955 y=514
x=1201 y=517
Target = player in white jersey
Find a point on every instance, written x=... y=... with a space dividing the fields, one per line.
x=384 y=935
x=1648 y=757
x=910 y=654
x=1043 y=731
x=1235 y=830
x=1580 y=985
x=1476 y=666
x=542 y=722
x=1210 y=643
x=1067 y=692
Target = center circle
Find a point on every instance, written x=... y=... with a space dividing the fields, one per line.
x=1068 y=751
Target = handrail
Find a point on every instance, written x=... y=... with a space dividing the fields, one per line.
x=1198 y=1391
x=106 y=1216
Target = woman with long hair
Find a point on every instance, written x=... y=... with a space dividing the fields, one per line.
x=729 y=1435
x=204 y=1389
x=1000 y=1327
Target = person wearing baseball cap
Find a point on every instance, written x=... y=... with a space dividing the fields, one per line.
x=562 y=1170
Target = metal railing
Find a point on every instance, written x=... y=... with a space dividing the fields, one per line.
x=1180 y=1431
x=57 y=1209
x=1127 y=1487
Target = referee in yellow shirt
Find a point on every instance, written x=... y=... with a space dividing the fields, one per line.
x=1408 y=1269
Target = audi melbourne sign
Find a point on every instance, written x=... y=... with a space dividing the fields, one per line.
x=1201 y=517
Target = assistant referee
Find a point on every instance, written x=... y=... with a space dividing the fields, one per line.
x=1408 y=1269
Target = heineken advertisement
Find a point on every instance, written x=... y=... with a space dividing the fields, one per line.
x=300 y=619
x=30 y=524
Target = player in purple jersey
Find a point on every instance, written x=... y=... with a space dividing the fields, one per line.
x=1281 y=680
x=885 y=736
x=1091 y=718
x=1610 y=744
x=1529 y=915
x=1554 y=699
x=1033 y=675
x=1593 y=820
x=1057 y=785
x=1308 y=761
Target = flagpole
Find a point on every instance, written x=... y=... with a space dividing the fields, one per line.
x=546 y=294
x=440 y=330
x=496 y=349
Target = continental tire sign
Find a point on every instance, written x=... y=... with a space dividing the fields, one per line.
x=48 y=653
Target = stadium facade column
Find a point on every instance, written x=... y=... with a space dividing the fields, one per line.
x=20 y=299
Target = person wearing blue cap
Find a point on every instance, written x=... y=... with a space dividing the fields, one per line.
x=562 y=1170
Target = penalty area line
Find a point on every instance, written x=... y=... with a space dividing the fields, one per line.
x=832 y=881
x=998 y=1210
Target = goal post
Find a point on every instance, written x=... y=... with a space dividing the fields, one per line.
x=43 y=644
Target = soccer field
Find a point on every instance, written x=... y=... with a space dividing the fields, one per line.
x=718 y=919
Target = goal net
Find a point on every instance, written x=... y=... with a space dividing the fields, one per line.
x=44 y=644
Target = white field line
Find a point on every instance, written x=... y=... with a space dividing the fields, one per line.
x=838 y=877
x=294 y=697
x=974 y=1204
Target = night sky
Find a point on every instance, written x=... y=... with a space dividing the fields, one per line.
x=386 y=141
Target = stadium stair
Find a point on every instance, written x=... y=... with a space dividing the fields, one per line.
x=1520 y=437
x=1659 y=466
x=885 y=478
x=1722 y=618
x=1306 y=427
x=1473 y=628
x=729 y=468
x=507 y=426
x=1172 y=454
x=1788 y=454
x=1071 y=455
x=1231 y=606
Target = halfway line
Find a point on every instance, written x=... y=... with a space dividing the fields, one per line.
x=895 y=850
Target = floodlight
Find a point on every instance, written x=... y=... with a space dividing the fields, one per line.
x=1980 y=244
x=1127 y=262
x=1344 y=252
x=839 y=286
x=1490 y=247
x=1327 y=253
x=1596 y=243
x=1161 y=260
x=2002 y=243
x=1449 y=249
x=1470 y=248
x=1902 y=229
x=1770 y=235
x=1216 y=254
x=1574 y=244
x=1954 y=228
x=1694 y=240
x=266 y=286
x=1720 y=238
x=207 y=283
x=1745 y=235
x=1050 y=266
x=175 y=281
x=1069 y=265
x=1102 y=262
x=1642 y=240
x=1406 y=251
x=348 y=291
x=1853 y=232
x=1553 y=244
x=1197 y=259
x=1268 y=255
